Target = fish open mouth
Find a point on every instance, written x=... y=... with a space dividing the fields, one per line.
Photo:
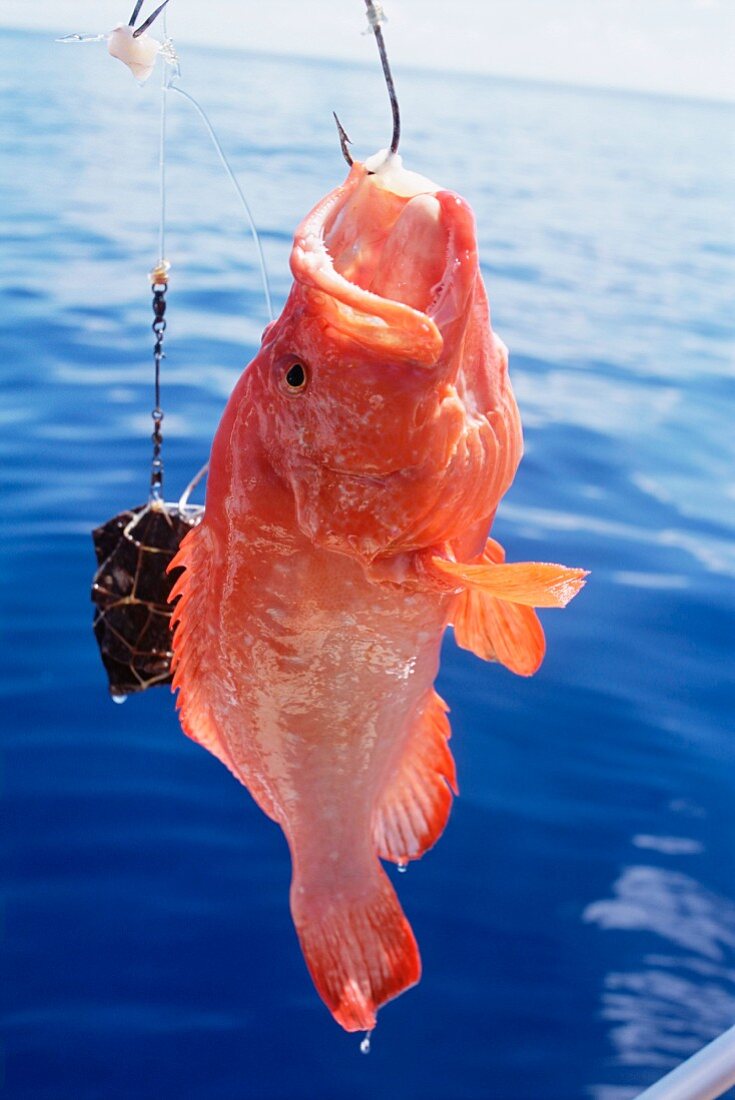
x=385 y=256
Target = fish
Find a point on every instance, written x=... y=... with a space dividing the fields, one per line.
x=354 y=478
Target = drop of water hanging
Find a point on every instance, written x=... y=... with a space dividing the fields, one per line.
x=402 y=868
x=119 y=698
x=365 y=1044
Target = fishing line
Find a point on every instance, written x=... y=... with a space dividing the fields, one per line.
x=376 y=18
x=238 y=190
x=131 y=586
x=162 y=157
x=159 y=286
x=169 y=85
x=184 y=498
x=160 y=274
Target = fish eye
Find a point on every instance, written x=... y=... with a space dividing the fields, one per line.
x=296 y=377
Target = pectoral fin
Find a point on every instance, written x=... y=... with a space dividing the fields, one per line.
x=494 y=616
x=532 y=583
x=496 y=630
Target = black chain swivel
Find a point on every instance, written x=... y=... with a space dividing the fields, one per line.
x=159 y=327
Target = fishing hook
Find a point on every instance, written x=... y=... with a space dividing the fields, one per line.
x=136 y=12
x=151 y=18
x=344 y=141
x=375 y=18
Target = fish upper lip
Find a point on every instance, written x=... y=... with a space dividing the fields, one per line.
x=392 y=326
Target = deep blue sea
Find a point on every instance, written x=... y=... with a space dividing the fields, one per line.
x=577 y=920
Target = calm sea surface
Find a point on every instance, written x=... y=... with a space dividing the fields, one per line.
x=577 y=921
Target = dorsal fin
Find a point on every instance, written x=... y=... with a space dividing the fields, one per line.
x=192 y=644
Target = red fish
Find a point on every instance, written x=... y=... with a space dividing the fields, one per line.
x=353 y=480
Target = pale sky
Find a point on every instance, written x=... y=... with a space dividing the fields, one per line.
x=684 y=47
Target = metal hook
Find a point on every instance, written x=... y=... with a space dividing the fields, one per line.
x=375 y=16
x=151 y=18
x=136 y=12
x=344 y=141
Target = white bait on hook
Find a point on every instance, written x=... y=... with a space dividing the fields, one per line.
x=139 y=54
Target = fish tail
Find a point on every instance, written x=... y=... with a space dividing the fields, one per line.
x=357 y=944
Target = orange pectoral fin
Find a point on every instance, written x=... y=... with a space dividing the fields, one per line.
x=532 y=583
x=494 y=616
x=496 y=630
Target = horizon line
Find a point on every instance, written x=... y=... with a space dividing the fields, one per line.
x=414 y=67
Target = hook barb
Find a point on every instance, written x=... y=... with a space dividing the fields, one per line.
x=151 y=19
x=344 y=140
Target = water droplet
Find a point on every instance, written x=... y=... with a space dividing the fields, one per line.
x=402 y=868
x=118 y=698
x=365 y=1044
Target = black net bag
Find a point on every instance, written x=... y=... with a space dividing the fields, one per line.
x=130 y=590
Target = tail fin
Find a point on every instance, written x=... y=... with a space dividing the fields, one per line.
x=357 y=944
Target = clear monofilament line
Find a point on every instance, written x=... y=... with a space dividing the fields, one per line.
x=159 y=281
x=167 y=82
x=162 y=156
x=240 y=194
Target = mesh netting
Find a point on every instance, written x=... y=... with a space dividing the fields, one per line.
x=130 y=593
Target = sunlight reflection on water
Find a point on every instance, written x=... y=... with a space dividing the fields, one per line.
x=669 y=1005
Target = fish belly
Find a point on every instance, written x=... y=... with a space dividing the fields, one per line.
x=314 y=685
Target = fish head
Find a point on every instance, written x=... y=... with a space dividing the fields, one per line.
x=382 y=368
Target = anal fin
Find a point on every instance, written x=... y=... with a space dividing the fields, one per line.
x=414 y=808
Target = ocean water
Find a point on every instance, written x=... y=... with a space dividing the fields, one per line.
x=577 y=920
